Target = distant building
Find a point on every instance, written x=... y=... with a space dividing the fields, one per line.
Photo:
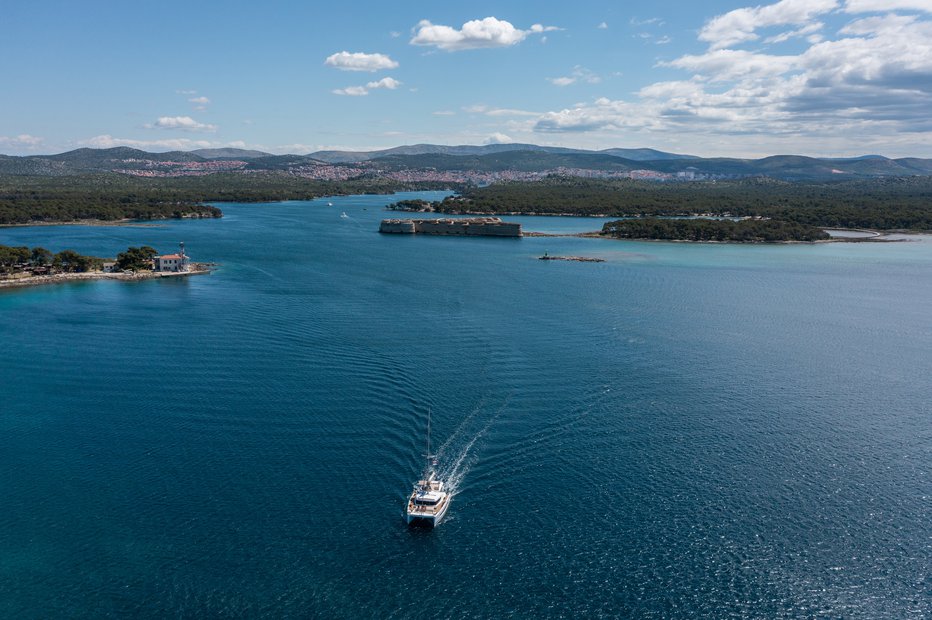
x=173 y=262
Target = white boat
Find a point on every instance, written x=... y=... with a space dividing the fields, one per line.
x=430 y=500
x=344 y=215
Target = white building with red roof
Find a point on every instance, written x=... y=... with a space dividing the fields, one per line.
x=173 y=262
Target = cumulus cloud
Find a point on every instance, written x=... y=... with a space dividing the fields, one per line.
x=728 y=65
x=361 y=91
x=386 y=82
x=475 y=34
x=498 y=138
x=741 y=25
x=184 y=123
x=22 y=141
x=868 y=82
x=883 y=6
x=359 y=61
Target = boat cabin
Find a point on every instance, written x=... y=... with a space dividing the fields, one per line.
x=431 y=498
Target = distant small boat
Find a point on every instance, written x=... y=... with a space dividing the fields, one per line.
x=344 y=214
x=329 y=204
x=429 y=501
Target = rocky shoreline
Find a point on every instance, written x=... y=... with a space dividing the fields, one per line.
x=197 y=269
x=578 y=259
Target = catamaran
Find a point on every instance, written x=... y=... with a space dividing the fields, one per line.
x=429 y=501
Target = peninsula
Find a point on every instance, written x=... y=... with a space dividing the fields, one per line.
x=22 y=266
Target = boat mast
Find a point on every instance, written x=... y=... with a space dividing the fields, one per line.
x=427 y=469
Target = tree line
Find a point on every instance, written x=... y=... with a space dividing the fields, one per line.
x=15 y=259
x=882 y=204
x=110 y=196
x=701 y=229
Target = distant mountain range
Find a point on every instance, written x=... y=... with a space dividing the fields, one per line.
x=435 y=159
x=342 y=157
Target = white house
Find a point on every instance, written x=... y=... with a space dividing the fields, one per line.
x=173 y=262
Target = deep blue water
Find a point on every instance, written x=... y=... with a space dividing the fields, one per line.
x=682 y=431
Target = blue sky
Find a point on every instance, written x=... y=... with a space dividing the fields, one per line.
x=720 y=78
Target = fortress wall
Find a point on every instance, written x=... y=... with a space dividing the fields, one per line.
x=398 y=226
x=474 y=227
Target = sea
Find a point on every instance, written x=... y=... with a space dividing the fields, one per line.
x=681 y=431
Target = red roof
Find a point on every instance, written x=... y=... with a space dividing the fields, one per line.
x=167 y=256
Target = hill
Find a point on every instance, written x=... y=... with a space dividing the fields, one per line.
x=229 y=154
x=462 y=164
x=488 y=149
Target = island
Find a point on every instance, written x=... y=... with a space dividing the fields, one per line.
x=577 y=259
x=22 y=266
x=751 y=210
x=705 y=229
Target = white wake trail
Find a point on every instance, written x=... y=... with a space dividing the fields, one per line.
x=455 y=471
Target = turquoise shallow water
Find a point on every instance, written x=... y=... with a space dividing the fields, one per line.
x=681 y=431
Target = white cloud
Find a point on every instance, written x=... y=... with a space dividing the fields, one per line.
x=486 y=110
x=804 y=32
x=174 y=144
x=351 y=91
x=498 y=138
x=444 y=113
x=579 y=74
x=386 y=82
x=729 y=65
x=634 y=21
x=868 y=87
x=883 y=6
x=602 y=26
x=292 y=149
x=184 y=123
x=22 y=141
x=359 y=61
x=361 y=91
x=199 y=100
x=475 y=34
x=186 y=92
x=740 y=25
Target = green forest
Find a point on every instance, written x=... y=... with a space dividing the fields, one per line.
x=881 y=204
x=110 y=196
x=743 y=231
x=21 y=258
x=15 y=259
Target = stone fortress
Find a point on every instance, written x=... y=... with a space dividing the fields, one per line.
x=474 y=226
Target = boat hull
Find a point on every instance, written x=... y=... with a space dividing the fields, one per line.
x=424 y=519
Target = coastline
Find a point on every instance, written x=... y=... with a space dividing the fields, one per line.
x=60 y=278
x=879 y=237
x=123 y=222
